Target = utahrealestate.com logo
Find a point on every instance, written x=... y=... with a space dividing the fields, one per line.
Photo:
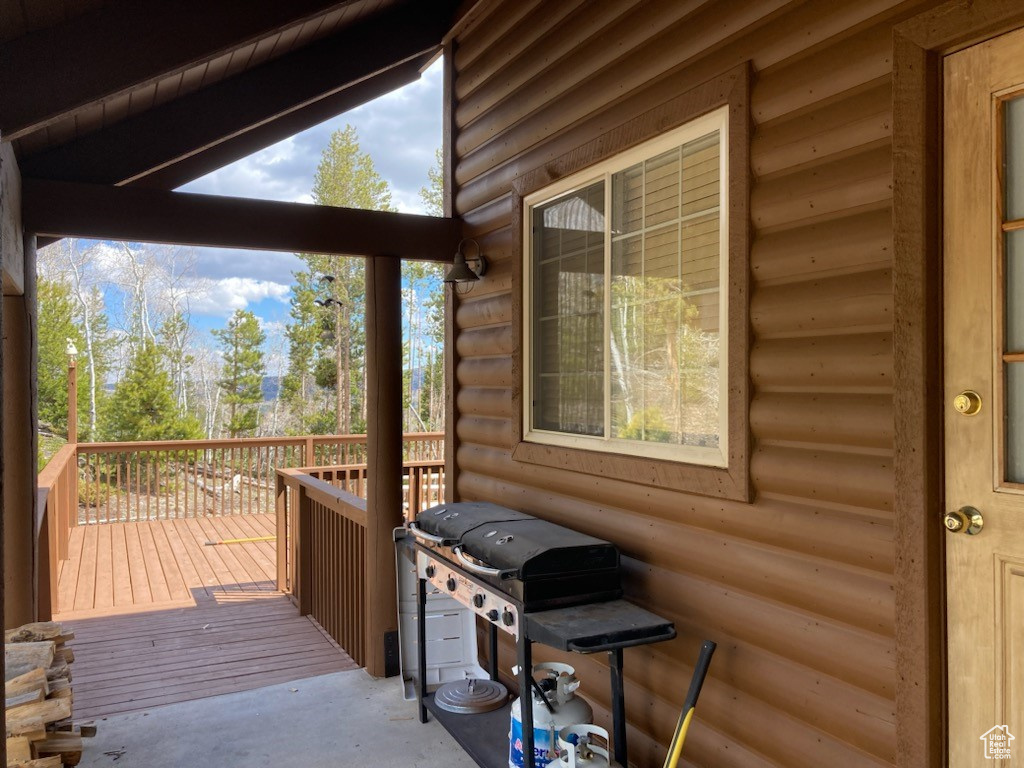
x=997 y=743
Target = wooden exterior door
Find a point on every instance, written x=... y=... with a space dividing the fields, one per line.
x=983 y=196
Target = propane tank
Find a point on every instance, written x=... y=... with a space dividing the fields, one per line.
x=559 y=686
x=583 y=746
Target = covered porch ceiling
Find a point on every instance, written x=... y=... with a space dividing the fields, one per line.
x=110 y=104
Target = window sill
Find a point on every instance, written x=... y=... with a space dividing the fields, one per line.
x=689 y=478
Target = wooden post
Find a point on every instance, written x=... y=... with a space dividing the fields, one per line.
x=44 y=575
x=281 y=545
x=17 y=401
x=384 y=455
x=451 y=354
x=303 y=569
x=415 y=483
x=72 y=399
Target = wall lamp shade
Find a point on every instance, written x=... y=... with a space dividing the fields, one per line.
x=466 y=270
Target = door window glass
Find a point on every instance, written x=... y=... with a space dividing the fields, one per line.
x=1013 y=289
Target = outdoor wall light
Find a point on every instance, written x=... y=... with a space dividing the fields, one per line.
x=462 y=273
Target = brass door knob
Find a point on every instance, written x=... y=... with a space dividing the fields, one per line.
x=967 y=402
x=964 y=520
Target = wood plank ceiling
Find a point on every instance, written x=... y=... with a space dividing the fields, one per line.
x=157 y=94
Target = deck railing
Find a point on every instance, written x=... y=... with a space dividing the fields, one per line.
x=58 y=497
x=128 y=482
x=422 y=487
x=321 y=541
x=321 y=555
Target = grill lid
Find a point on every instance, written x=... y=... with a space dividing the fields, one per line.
x=452 y=521
x=534 y=548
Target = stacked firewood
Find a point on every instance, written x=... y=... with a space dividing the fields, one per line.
x=37 y=693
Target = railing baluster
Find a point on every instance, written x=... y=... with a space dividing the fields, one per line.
x=178 y=463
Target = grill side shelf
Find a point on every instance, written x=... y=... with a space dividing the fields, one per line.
x=597 y=627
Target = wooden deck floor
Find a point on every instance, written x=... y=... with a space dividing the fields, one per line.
x=112 y=568
x=160 y=617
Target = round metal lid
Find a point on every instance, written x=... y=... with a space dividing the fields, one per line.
x=471 y=696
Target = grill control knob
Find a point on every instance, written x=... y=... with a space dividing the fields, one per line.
x=492 y=614
x=479 y=599
x=430 y=571
x=451 y=584
x=508 y=618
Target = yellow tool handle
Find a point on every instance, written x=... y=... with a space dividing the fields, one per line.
x=676 y=748
x=700 y=671
x=241 y=541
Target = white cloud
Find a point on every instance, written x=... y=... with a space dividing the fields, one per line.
x=220 y=298
x=216 y=263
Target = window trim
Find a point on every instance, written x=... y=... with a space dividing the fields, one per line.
x=730 y=90
x=603 y=171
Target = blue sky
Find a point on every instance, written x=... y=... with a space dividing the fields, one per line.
x=400 y=131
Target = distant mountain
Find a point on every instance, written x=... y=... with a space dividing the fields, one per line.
x=271 y=386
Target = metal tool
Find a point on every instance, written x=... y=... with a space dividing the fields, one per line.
x=241 y=541
x=675 y=749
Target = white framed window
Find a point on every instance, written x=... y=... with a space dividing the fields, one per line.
x=625 y=320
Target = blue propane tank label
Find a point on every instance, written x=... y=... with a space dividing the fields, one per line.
x=541 y=743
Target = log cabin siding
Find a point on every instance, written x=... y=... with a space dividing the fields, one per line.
x=797 y=587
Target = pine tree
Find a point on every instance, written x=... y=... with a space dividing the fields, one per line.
x=426 y=319
x=345 y=177
x=142 y=406
x=241 y=344
x=432 y=195
x=56 y=329
x=303 y=333
x=174 y=336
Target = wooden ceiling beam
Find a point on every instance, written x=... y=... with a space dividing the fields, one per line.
x=193 y=124
x=218 y=155
x=127 y=44
x=133 y=214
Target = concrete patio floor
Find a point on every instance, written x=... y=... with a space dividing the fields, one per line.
x=340 y=720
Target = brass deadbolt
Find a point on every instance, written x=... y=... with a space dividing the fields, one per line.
x=967 y=402
x=964 y=520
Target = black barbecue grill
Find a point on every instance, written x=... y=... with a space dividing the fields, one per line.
x=538 y=564
x=537 y=581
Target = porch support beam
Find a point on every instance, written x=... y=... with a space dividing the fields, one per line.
x=7 y=232
x=11 y=246
x=17 y=404
x=62 y=209
x=124 y=45
x=384 y=459
x=186 y=169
